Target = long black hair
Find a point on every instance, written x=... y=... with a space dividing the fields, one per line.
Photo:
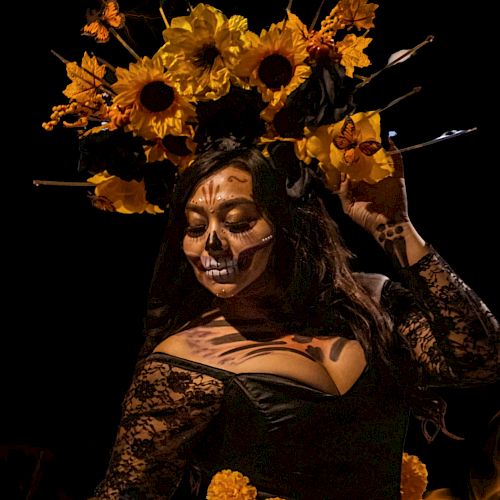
x=318 y=291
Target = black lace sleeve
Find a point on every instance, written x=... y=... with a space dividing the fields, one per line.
x=453 y=336
x=164 y=411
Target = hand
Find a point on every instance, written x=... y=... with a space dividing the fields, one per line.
x=373 y=205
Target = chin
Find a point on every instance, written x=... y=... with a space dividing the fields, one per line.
x=224 y=290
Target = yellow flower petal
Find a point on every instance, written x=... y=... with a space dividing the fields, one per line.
x=276 y=64
x=158 y=104
x=127 y=197
x=206 y=46
x=413 y=478
x=230 y=485
x=333 y=160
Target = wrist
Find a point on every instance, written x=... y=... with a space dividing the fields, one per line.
x=401 y=242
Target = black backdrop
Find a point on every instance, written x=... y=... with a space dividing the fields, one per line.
x=75 y=306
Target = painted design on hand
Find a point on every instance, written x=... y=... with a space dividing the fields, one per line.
x=391 y=237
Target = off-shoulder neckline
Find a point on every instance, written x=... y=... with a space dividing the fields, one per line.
x=227 y=375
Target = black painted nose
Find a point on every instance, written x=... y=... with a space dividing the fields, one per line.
x=213 y=244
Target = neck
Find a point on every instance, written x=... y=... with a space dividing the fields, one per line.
x=260 y=301
x=244 y=308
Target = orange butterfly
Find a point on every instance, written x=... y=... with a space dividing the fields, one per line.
x=99 y=22
x=347 y=141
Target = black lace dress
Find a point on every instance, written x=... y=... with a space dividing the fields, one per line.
x=184 y=421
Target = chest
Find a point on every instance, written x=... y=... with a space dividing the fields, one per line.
x=329 y=364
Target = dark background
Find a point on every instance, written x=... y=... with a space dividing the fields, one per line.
x=80 y=277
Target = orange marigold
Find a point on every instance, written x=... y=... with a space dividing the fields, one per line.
x=413 y=478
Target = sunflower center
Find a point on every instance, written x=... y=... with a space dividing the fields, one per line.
x=275 y=71
x=206 y=56
x=157 y=96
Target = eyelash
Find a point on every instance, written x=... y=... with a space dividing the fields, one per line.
x=234 y=227
x=195 y=231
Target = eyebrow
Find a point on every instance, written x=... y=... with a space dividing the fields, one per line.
x=224 y=206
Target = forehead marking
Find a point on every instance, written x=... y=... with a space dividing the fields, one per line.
x=232 y=178
x=210 y=192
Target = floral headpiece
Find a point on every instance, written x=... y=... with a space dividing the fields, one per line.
x=214 y=80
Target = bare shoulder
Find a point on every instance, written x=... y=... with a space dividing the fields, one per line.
x=174 y=345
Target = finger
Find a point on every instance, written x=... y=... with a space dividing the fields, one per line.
x=397 y=159
x=344 y=186
x=344 y=191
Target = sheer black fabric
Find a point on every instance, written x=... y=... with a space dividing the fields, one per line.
x=164 y=412
x=187 y=420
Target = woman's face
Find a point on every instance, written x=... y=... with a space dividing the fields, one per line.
x=228 y=241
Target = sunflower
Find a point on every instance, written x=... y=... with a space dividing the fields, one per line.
x=275 y=63
x=179 y=149
x=157 y=103
x=351 y=146
x=127 y=197
x=203 y=48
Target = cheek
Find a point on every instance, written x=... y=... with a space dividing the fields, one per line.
x=252 y=253
x=254 y=242
x=193 y=247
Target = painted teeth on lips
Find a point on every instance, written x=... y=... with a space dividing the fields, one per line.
x=218 y=273
x=211 y=264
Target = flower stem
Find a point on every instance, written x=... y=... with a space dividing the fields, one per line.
x=39 y=182
x=443 y=137
x=399 y=59
x=124 y=43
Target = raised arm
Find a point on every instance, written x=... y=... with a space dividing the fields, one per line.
x=453 y=336
x=164 y=411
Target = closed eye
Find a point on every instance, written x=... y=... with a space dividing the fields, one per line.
x=196 y=231
x=240 y=227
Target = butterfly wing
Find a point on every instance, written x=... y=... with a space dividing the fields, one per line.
x=97 y=30
x=111 y=15
x=345 y=140
x=369 y=148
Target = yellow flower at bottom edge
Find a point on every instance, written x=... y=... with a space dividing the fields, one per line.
x=413 y=478
x=230 y=485
x=126 y=197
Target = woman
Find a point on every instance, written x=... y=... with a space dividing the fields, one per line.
x=267 y=355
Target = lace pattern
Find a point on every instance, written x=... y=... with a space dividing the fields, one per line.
x=165 y=409
x=452 y=334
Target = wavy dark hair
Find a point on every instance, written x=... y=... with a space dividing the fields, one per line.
x=318 y=291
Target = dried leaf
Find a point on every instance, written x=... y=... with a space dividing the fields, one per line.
x=357 y=13
x=85 y=79
x=351 y=48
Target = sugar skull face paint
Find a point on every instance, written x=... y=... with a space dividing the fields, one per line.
x=228 y=241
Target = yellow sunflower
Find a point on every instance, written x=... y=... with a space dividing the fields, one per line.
x=203 y=49
x=126 y=197
x=179 y=149
x=351 y=146
x=275 y=63
x=158 y=106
